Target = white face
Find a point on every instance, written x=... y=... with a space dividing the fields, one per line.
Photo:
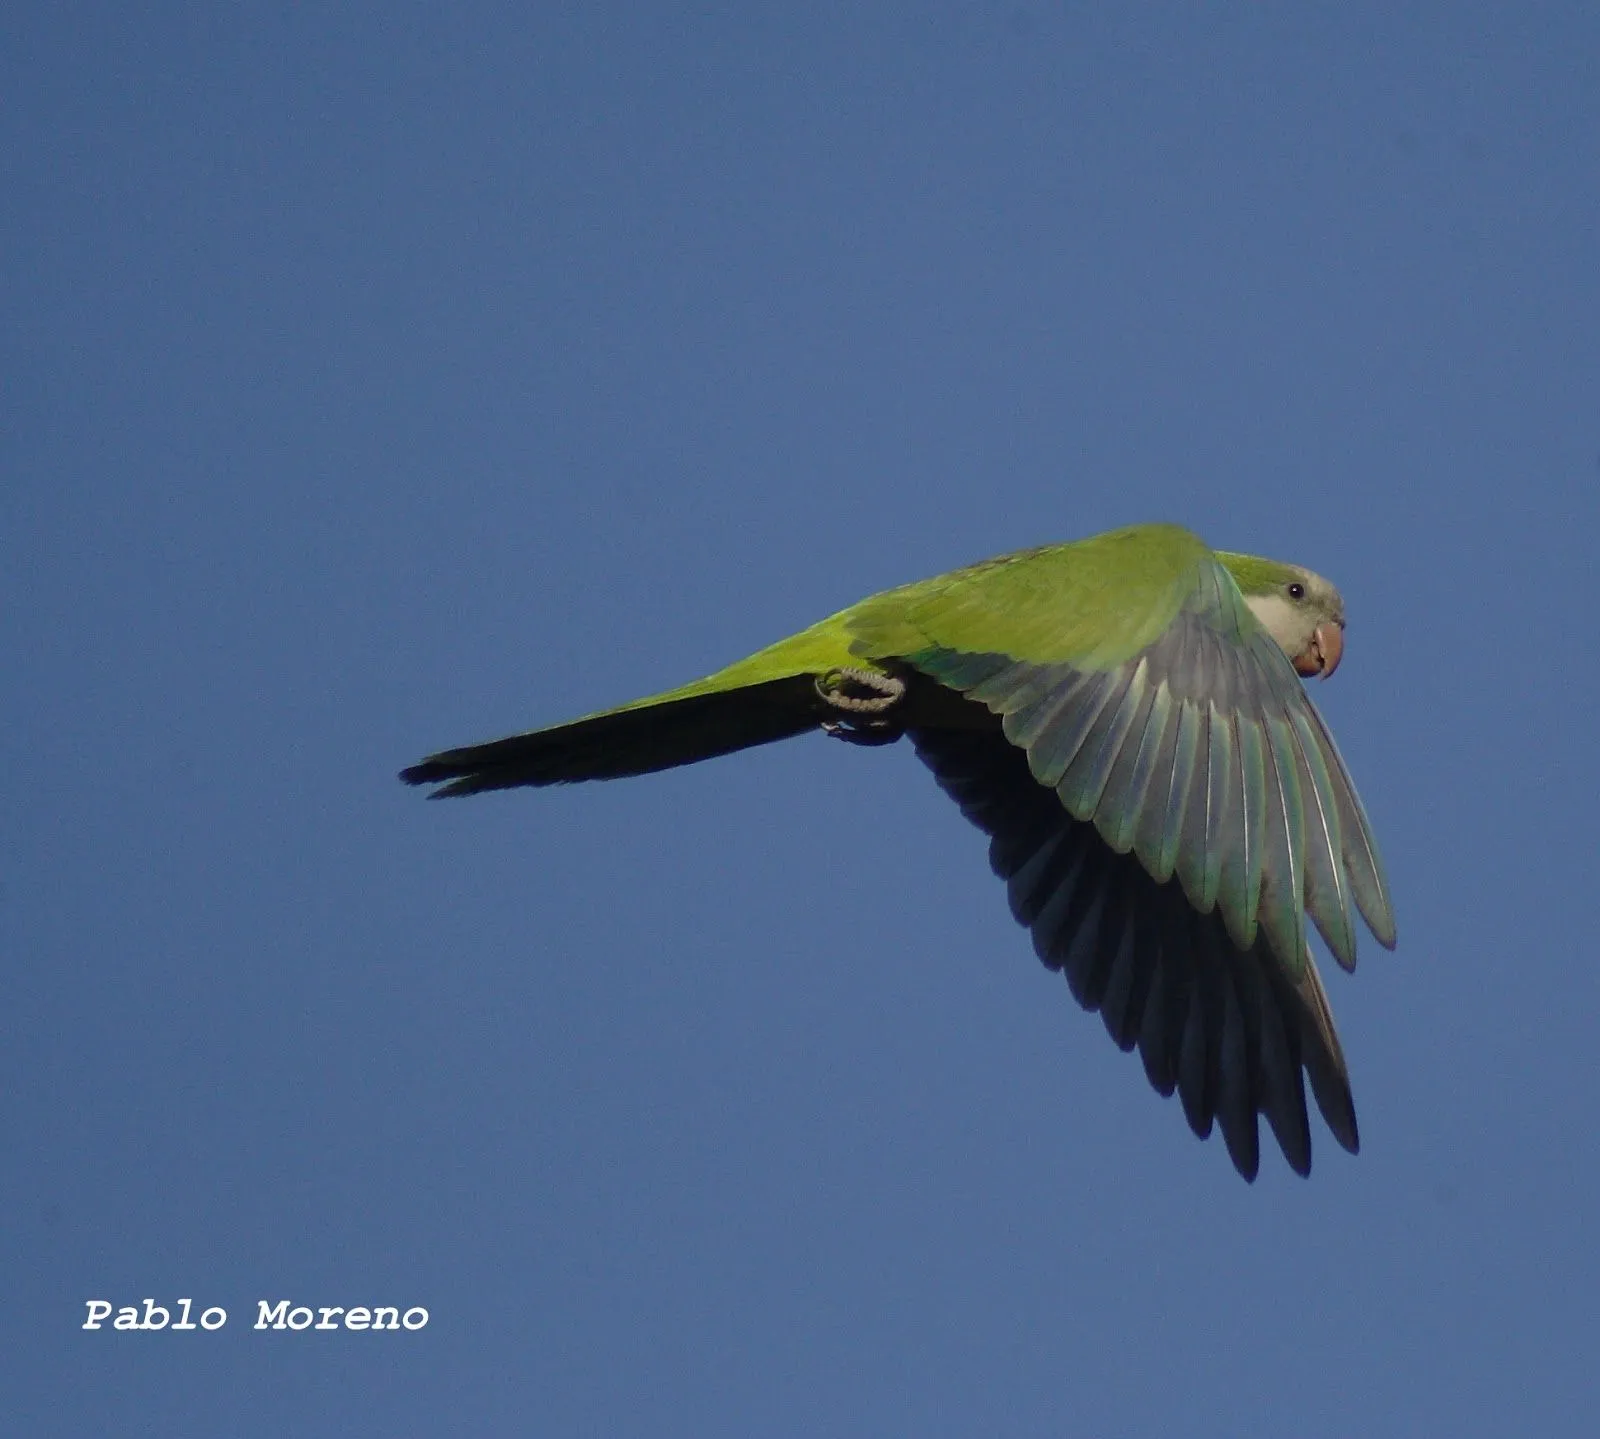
x=1285 y=621
x=1292 y=615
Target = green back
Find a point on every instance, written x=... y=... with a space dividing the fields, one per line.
x=1092 y=603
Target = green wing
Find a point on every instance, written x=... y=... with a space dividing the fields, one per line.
x=1131 y=675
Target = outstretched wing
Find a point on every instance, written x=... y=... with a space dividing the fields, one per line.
x=1230 y=1030
x=1130 y=673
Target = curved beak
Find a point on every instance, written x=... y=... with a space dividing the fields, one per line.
x=1322 y=655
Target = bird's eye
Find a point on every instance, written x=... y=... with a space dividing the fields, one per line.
x=1297 y=591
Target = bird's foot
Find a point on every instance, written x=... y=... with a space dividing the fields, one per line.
x=865 y=700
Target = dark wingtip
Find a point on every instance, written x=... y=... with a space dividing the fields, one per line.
x=430 y=771
x=1350 y=1139
x=1338 y=1108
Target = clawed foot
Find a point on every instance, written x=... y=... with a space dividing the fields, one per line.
x=865 y=700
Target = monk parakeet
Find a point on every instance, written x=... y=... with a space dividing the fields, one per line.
x=1123 y=717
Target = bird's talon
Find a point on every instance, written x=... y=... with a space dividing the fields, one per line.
x=860 y=691
x=864 y=698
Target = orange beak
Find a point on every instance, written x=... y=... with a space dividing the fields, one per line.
x=1322 y=655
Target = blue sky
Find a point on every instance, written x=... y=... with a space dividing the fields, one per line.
x=379 y=378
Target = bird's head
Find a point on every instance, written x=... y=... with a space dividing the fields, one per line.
x=1298 y=608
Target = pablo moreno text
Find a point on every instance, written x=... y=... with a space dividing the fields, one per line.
x=280 y=1314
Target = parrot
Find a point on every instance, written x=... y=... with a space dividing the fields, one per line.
x=1125 y=718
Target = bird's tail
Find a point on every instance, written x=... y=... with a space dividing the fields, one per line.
x=654 y=734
